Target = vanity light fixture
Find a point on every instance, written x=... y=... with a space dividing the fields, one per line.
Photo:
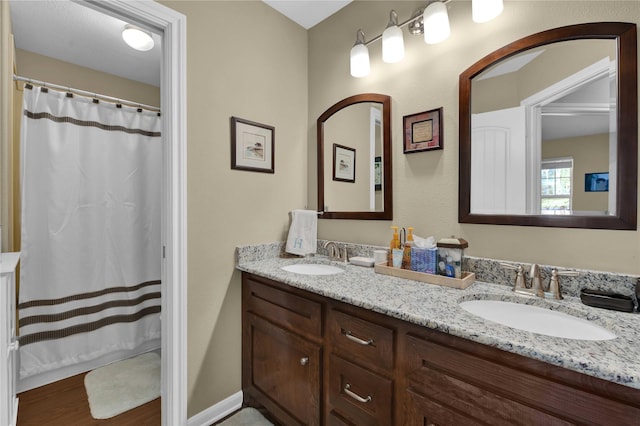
x=432 y=21
x=485 y=10
x=392 y=40
x=137 y=38
x=360 y=57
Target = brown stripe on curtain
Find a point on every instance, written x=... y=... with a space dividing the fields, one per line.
x=87 y=310
x=50 y=302
x=48 y=116
x=84 y=328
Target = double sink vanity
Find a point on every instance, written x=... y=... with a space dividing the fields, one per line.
x=334 y=343
x=338 y=344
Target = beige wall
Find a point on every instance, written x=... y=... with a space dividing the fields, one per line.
x=349 y=128
x=244 y=59
x=426 y=184
x=39 y=67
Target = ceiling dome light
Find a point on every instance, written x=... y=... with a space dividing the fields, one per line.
x=436 y=23
x=485 y=10
x=137 y=38
x=360 y=66
x=392 y=41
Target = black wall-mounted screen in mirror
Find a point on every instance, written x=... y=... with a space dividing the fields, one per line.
x=541 y=116
x=354 y=159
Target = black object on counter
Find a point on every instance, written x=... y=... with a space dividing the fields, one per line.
x=607 y=300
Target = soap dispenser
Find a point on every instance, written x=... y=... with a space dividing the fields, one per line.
x=394 y=244
x=406 y=255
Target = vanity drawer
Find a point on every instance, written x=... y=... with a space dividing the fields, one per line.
x=487 y=388
x=357 y=395
x=281 y=307
x=362 y=339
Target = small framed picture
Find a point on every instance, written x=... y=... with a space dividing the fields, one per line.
x=596 y=182
x=423 y=131
x=344 y=163
x=252 y=146
x=377 y=170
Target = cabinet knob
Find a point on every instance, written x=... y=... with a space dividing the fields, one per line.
x=304 y=360
x=354 y=395
x=358 y=340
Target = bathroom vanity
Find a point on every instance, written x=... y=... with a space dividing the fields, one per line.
x=359 y=348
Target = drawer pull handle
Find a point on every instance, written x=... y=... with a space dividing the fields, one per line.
x=304 y=360
x=359 y=341
x=355 y=395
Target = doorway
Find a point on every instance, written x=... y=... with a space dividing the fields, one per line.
x=172 y=26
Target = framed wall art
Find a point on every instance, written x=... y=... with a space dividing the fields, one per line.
x=423 y=131
x=344 y=163
x=252 y=146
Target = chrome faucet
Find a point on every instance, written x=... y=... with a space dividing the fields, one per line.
x=521 y=286
x=536 y=287
x=335 y=252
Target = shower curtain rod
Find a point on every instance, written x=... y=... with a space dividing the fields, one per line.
x=87 y=94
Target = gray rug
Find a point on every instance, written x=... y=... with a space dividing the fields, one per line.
x=246 y=417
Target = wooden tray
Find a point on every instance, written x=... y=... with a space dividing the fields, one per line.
x=467 y=279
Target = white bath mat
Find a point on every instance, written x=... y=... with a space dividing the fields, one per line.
x=246 y=417
x=123 y=385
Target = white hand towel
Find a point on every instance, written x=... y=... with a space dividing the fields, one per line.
x=303 y=232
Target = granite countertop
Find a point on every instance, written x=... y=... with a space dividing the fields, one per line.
x=436 y=307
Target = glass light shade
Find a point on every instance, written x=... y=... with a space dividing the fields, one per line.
x=436 y=23
x=485 y=10
x=360 y=60
x=392 y=45
x=137 y=39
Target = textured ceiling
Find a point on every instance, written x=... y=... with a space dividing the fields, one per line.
x=74 y=33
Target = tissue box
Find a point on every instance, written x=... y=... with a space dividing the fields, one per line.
x=424 y=260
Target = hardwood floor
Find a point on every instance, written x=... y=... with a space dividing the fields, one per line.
x=65 y=403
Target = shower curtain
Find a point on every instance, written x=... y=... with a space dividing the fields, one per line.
x=91 y=249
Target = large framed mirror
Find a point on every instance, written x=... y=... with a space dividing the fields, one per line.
x=549 y=129
x=354 y=159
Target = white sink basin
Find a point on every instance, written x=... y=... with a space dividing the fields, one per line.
x=537 y=320
x=313 y=269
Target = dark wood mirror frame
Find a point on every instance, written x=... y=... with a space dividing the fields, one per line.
x=387 y=212
x=627 y=122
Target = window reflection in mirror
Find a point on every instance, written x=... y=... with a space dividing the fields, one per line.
x=534 y=113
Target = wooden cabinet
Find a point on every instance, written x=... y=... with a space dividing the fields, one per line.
x=314 y=360
x=281 y=352
x=360 y=370
x=8 y=341
x=452 y=381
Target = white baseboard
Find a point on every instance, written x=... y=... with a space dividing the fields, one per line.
x=218 y=411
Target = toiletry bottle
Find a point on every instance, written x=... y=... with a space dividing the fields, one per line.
x=406 y=256
x=450 y=268
x=395 y=243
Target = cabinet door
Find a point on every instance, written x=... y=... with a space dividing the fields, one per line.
x=285 y=373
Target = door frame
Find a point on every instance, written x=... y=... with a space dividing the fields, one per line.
x=173 y=91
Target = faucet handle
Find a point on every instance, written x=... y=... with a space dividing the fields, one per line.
x=520 y=283
x=554 y=285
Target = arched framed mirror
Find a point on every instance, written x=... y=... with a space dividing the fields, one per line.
x=354 y=159
x=549 y=129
